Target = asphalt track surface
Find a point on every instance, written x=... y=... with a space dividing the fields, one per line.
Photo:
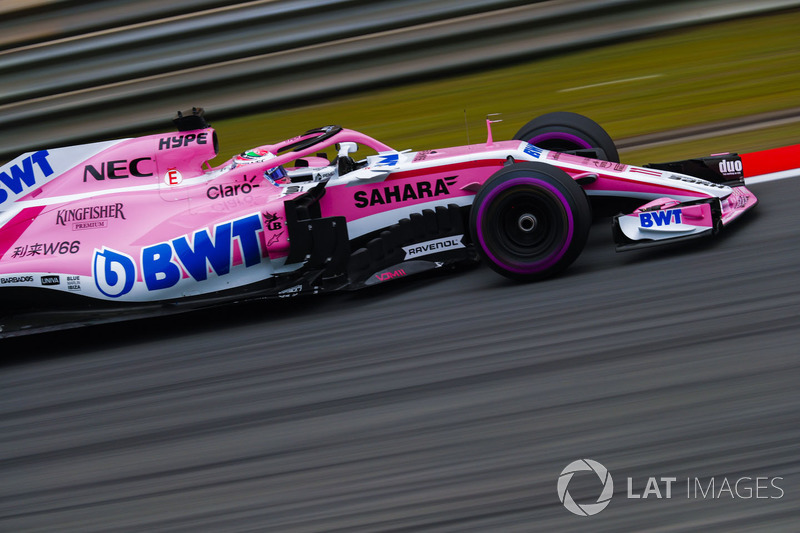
x=445 y=403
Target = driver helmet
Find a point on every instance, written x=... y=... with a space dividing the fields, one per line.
x=260 y=155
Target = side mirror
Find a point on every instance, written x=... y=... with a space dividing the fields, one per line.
x=347 y=148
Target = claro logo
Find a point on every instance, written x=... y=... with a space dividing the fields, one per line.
x=230 y=190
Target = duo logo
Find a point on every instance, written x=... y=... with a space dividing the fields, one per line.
x=660 y=218
x=21 y=176
x=115 y=272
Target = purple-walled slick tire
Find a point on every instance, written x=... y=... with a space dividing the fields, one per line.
x=563 y=131
x=530 y=221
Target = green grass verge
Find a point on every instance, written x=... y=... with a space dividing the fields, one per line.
x=682 y=78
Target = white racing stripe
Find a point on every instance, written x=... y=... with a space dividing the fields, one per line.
x=782 y=175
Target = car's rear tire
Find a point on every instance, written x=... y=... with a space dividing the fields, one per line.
x=564 y=131
x=530 y=221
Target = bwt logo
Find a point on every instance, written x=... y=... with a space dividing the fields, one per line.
x=162 y=265
x=586 y=509
x=660 y=218
x=114 y=272
x=21 y=177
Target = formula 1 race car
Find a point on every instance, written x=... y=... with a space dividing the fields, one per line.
x=129 y=227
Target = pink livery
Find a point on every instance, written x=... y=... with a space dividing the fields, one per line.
x=146 y=223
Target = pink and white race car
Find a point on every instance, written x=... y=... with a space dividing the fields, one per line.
x=138 y=226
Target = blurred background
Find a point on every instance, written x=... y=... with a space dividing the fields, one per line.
x=404 y=71
x=444 y=403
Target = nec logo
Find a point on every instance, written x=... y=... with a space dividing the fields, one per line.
x=21 y=176
x=660 y=218
x=119 y=169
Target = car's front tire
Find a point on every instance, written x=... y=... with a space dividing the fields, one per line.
x=530 y=221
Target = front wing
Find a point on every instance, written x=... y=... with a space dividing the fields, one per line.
x=666 y=220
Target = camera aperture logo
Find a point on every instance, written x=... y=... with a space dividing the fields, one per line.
x=663 y=487
x=586 y=509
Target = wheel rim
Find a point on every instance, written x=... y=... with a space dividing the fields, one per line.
x=527 y=222
x=525 y=225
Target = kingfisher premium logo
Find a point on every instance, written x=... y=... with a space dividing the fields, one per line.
x=95 y=216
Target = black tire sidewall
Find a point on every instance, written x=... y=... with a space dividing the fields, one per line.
x=573 y=129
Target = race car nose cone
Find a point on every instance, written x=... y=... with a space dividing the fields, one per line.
x=527 y=222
